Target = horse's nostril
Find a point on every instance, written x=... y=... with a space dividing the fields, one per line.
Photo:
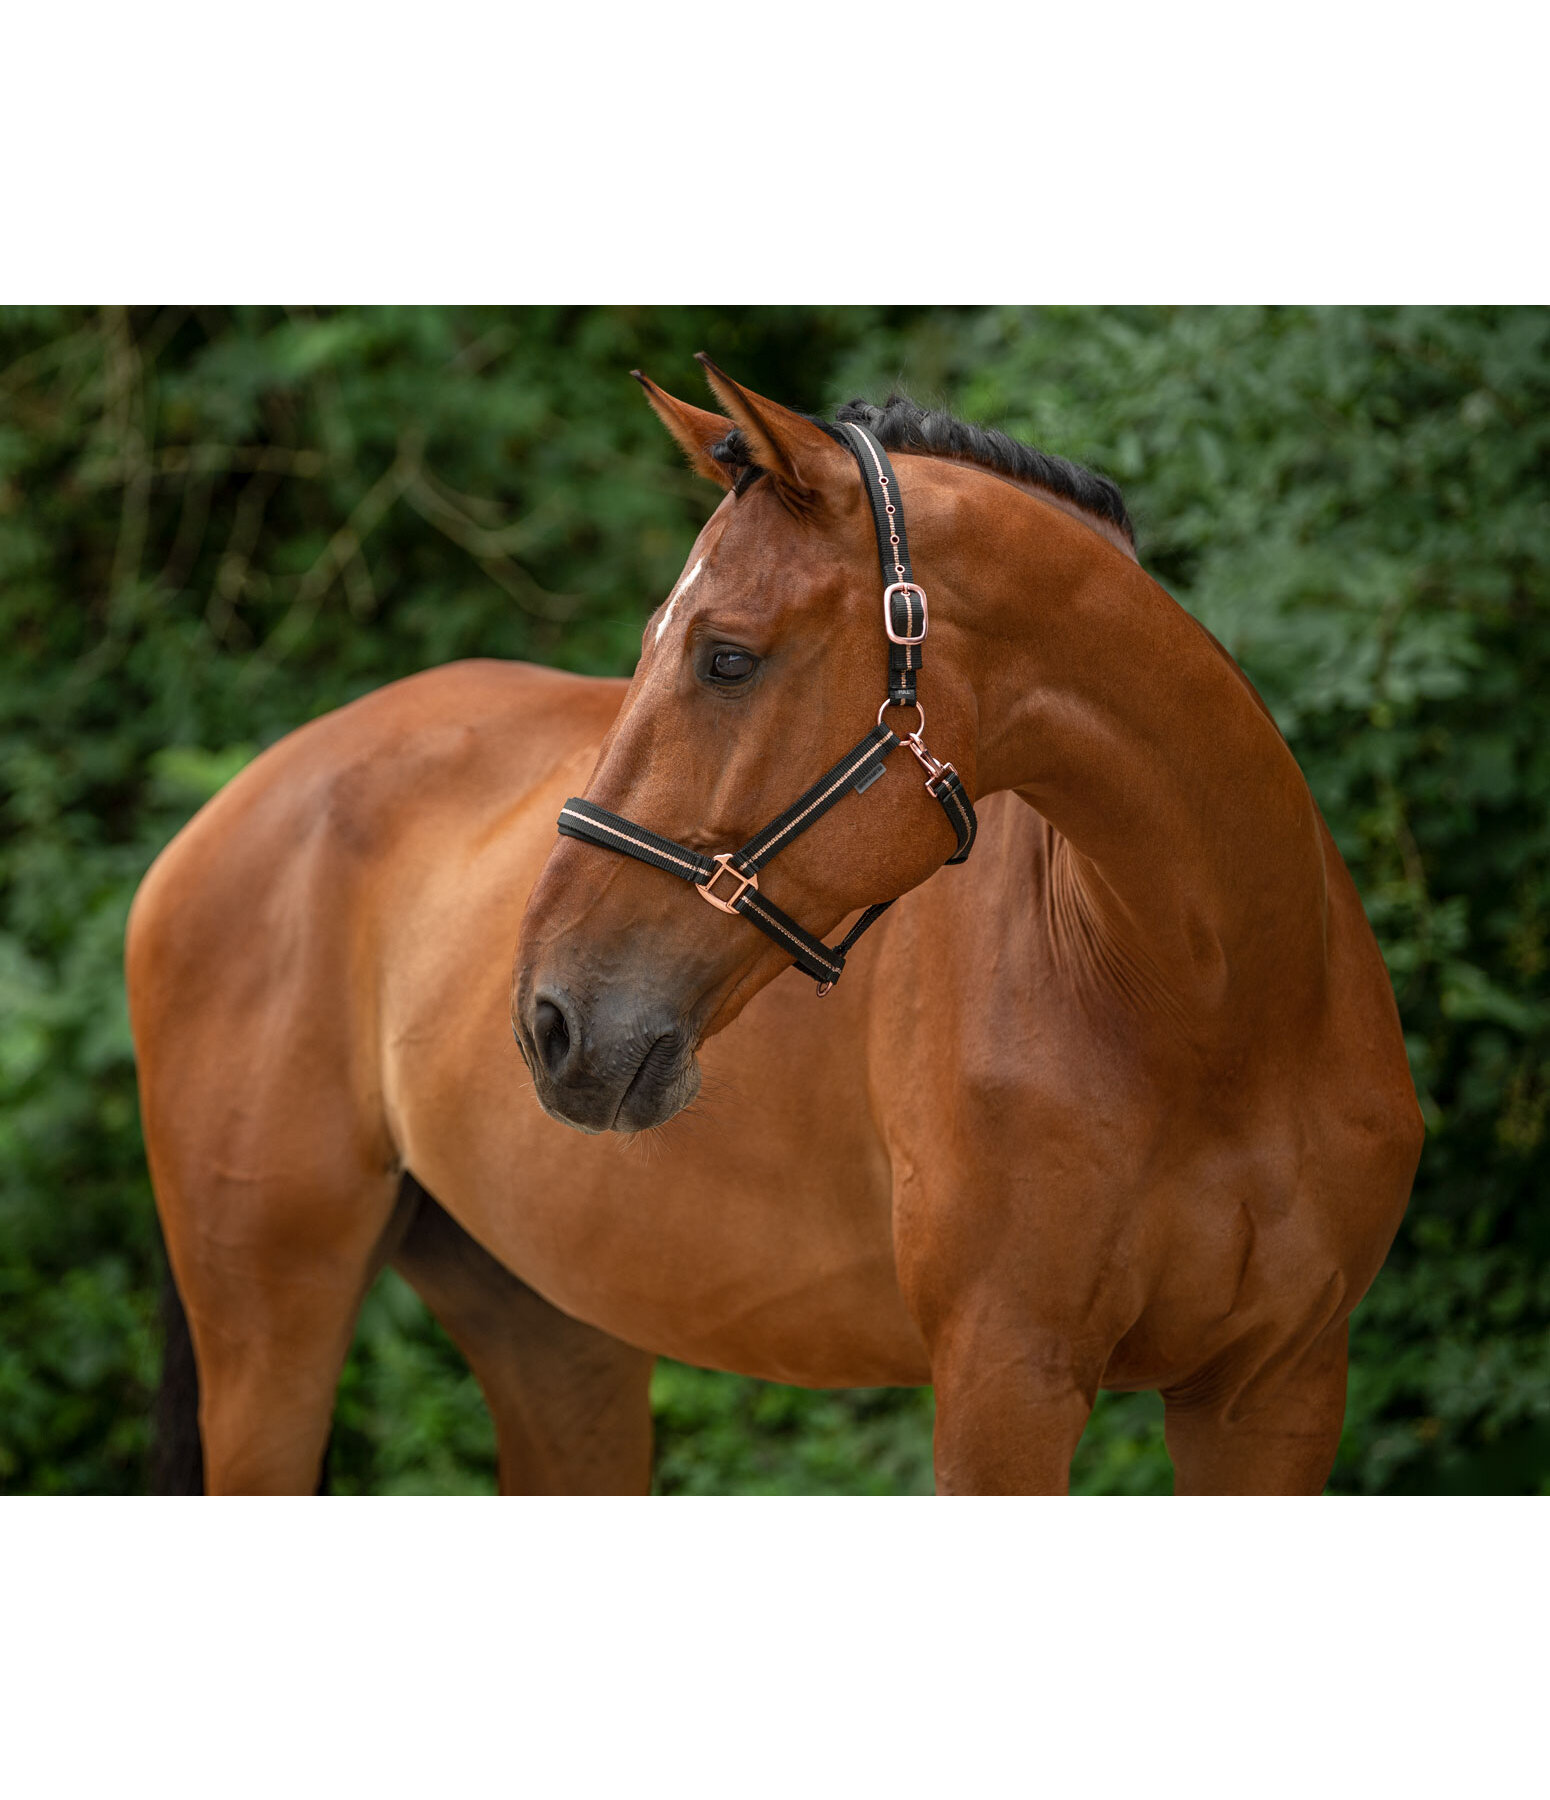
x=552 y=1035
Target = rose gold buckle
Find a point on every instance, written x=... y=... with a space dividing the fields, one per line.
x=904 y=587
x=744 y=882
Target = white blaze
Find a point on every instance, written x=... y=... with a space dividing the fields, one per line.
x=678 y=593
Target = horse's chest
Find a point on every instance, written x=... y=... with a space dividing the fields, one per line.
x=751 y=1233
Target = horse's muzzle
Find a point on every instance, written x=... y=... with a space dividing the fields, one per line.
x=605 y=1064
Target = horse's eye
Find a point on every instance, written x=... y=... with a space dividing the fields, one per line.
x=732 y=665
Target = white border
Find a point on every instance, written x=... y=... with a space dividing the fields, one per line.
x=773 y=1648
x=805 y=152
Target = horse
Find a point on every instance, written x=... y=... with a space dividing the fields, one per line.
x=1119 y=1102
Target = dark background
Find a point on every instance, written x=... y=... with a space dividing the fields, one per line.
x=217 y=523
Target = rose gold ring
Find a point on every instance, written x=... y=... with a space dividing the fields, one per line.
x=918 y=729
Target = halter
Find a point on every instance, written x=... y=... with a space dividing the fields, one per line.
x=730 y=881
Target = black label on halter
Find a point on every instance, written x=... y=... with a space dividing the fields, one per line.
x=867 y=776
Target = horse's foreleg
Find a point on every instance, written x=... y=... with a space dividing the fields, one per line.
x=1011 y=1404
x=570 y=1403
x=1277 y=1435
x=272 y=1270
x=1016 y=1317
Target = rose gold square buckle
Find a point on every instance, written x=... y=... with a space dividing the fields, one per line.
x=744 y=882
x=939 y=780
x=904 y=587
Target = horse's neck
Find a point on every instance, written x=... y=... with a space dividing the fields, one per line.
x=1195 y=865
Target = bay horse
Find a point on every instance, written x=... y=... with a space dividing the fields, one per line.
x=1122 y=1102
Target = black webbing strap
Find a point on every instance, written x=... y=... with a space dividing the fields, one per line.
x=856 y=770
x=853 y=773
x=611 y=831
x=950 y=792
x=811 y=955
x=947 y=790
x=905 y=603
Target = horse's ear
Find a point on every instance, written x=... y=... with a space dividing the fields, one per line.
x=694 y=430
x=802 y=460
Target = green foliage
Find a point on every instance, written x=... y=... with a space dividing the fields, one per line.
x=217 y=524
x=720 y=1434
x=409 y=1418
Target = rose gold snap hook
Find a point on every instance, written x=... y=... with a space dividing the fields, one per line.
x=934 y=769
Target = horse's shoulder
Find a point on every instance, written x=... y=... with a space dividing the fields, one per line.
x=338 y=794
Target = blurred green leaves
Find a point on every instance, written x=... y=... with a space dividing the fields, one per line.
x=719 y=1434
x=184 y=774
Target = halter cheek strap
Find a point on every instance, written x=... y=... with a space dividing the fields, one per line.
x=730 y=881
x=904 y=603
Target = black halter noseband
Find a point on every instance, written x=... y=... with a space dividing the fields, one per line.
x=736 y=872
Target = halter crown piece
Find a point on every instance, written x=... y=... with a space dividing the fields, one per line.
x=730 y=881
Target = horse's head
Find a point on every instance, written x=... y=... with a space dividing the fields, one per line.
x=765 y=664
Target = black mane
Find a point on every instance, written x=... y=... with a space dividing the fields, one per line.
x=900 y=424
